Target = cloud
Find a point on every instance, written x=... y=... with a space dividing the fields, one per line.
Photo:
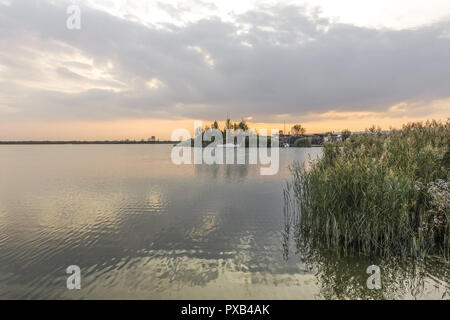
x=266 y=62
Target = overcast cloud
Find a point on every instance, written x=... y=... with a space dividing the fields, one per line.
x=265 y=62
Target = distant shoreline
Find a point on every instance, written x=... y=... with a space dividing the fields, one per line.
x=83 y=142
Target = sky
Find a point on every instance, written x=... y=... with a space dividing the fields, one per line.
x=136 y=69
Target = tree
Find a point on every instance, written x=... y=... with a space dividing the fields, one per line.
x=228 y=124
x=243 y=125
x=298 y=129
x=345 y=134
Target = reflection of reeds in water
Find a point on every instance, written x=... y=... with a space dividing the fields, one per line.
x=343 y=276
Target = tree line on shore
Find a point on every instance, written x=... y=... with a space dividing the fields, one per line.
x=295 y=137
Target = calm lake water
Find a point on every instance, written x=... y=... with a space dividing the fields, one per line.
x=140 y=227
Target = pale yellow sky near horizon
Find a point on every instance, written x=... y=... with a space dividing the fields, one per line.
x=143 y=128
x=137 y=129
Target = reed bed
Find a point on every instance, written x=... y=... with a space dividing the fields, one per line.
x=385 y=194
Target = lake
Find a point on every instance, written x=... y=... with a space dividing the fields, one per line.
x=140 y=227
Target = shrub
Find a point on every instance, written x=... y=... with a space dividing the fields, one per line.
x=303 y=142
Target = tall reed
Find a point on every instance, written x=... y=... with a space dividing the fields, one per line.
x=376 y=193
